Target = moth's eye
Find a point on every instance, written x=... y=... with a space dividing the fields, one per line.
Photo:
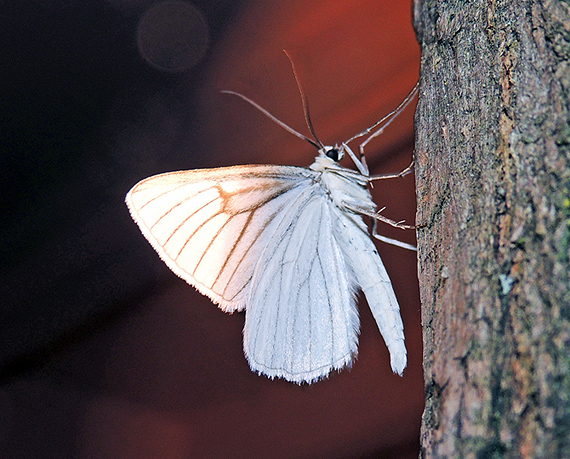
x=333 y=154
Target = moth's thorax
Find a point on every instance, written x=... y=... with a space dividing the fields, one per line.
x=323 y=162
x=344 y=186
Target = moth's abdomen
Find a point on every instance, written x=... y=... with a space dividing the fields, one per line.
x=345 y=189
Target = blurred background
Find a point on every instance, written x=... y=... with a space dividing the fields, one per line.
x=104 y=353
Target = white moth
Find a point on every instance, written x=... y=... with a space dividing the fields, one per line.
x=286 y=244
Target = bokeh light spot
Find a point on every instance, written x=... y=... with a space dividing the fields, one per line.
x=173 y=36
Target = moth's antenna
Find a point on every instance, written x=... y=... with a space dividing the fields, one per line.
x=304 y=101
x=273 y=118
x=389 y=117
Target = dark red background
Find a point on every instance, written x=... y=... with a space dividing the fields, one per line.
x=105 y=353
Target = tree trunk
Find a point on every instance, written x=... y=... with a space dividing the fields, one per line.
x=493 y=181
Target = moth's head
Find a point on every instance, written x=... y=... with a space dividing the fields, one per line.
x=336 y=153
x=328 y=158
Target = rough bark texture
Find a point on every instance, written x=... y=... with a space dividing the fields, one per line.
x=493 y=193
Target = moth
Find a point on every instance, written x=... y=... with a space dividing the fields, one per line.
x=289 y=245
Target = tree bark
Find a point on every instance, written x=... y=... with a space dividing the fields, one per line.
x=493 y=194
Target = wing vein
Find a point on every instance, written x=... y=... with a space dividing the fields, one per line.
x=304 y=198
x=183 y=222
x=199 y=227
x=246 y=252
x=320 y=262
x=234 y=246
x=158 y=196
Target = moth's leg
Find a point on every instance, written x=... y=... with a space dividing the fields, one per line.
x=359 y=163
x=406 y=171
x=389 y=240
x=376 y=217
